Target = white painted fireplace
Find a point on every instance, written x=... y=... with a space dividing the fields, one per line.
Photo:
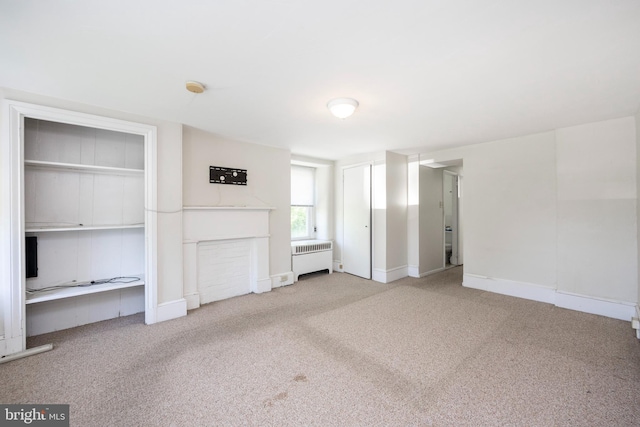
x=225 y=252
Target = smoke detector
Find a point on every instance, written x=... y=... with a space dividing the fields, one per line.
x=195 y=87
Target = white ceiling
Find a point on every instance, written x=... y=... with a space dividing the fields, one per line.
x=428 y=74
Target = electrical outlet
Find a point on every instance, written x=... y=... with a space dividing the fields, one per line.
x=340 y=266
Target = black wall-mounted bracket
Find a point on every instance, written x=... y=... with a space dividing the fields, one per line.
x=220 y=175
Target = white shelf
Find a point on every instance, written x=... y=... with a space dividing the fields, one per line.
x=82 y=168
x=56 y=294
x=41 y=228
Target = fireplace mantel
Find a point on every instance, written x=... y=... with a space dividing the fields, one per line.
x=222 y=223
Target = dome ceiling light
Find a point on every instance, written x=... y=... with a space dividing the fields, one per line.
x=342 y=107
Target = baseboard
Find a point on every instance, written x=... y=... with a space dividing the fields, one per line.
x=614 y=309
x=387 y=276
x=262 y=285
x=193 y=301
x=586 y=304
x=413 y=271
x=510 y=287
x=171 y=310
x=635 y=323
x=337 y=266
x=282 y=279
x=430 y=272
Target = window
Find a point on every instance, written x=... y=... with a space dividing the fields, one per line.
x=302 y=202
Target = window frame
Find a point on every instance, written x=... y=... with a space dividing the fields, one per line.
x=310 y=209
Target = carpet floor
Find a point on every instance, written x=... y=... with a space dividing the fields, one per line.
x=337 y=350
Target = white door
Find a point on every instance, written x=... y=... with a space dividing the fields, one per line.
x=455 y=222
x=431 y=220
x=356 y=251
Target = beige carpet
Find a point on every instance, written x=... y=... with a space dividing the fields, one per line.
x=336 y=350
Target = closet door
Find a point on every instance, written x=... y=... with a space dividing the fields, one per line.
x=356 y=251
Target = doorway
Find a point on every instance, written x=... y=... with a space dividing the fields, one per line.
x=450 y=196
x=440 y=223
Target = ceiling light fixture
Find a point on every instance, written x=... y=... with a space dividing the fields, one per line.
x=195 y=87
x=342 y=107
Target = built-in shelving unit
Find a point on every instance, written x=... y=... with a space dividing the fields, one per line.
x=84 y=204
x=80 y=205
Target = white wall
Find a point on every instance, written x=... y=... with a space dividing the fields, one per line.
x=268 y=184
x=510 y=209
x=169 y=186
x=396 y=185
x=556 y=210
x=597 y=248
x=413 y=215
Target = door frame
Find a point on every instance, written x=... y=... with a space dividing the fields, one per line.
x=455 y=218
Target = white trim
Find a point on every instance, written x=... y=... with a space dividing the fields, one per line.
x=510 y=287
x=277 y=282
x=193 y=300
x=12 y=345
x=171 y=310
x=262 y=285
x=151 y=225
x=614 y=309
x=11 y=286
x=587 y=304
x=378 y=275
x=387 y=276
x=636 y=322
x=413 y=271
x=337 y=266
x=430 y=272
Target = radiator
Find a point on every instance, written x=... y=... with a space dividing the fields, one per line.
x=308 y=256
